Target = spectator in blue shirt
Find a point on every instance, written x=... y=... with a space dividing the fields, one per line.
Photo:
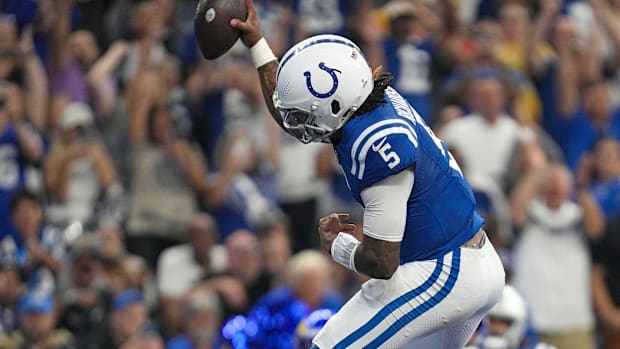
x=37 y=249
x=600 y=172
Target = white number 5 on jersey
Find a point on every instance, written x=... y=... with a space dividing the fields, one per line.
x=390 y=157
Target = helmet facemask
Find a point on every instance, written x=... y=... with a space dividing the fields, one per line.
x=306 y=126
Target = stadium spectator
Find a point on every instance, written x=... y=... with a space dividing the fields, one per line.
x=298 y=187
x=37 y=326
x=242 y=194
x=276 y=249
x=139 y=276
x=146 y=49
x=245 y=262
x=38 y=249
x=599 y=171
x=337 y=197
x=514 y=19
x=551 y=253
x=20 y=146
x=11 y=289
x=104 y=85
x=409 y=53
x=181 y=267
x=78 y=172
x=307 y=289
x=519 y=93
x=606 y=284
x=71 y=55
x=129 y=323
x=314 y=17
x=84 y=297
x=487 y=139
x=202 y=319
x=167 y=172
x=574 y=120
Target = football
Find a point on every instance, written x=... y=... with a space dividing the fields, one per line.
x=214 y=34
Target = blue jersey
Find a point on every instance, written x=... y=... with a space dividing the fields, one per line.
x=410 y=64
x=323 y=16
x=12 y=175
x=441 y=212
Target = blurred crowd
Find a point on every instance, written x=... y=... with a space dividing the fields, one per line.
x=200 y=214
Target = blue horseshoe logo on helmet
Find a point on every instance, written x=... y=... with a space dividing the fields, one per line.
x=332 y=72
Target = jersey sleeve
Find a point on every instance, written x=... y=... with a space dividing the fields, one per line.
x=385 y=207
x=384 y=152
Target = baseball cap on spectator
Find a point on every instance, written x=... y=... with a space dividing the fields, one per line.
x=76 y=114
x=126 y=298
x=399 y=8
x=36 y=303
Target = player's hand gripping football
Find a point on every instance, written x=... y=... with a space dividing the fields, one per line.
x=330 y=226
x=250 y=29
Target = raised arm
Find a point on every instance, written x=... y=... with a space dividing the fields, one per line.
x=526 y=188
x=98 y=76
x=567 y=77
x=540 y=30
x=60 y=33
x=264 y=59
x=606 y=19
x=36 y=89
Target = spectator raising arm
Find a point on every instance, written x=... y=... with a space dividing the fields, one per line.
x=603 y=14
x=527 y=187
x=99 y=77
x=29 y=141
x=593 y=219
x=104 y=167
x=60 y=34
x=190 y=163
x=39 y=256
x=567 y=80
x=143 y=94
x=36 y=86
x=57 y=168
x=542 y=26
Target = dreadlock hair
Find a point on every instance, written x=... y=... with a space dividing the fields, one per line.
x=377 y=97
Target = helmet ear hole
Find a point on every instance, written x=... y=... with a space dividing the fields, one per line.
x=335 y=107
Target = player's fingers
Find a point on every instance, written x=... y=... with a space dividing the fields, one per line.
x=343 y=216
x=251 y=9
x=238 y=24
x=348 y=227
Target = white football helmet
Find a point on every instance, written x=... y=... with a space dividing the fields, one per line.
x=321 y=82
x=513 y=309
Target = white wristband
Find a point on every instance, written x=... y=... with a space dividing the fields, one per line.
x=261 y=53
x=343 y=250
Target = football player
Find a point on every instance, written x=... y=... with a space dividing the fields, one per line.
x=506 y=324
x=434 y=275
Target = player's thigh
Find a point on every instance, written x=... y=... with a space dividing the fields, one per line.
x=383 y=311
x=422 y=298
x=454 y=335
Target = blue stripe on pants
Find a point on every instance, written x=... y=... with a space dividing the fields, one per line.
x=424 y=307
x=391 y=307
